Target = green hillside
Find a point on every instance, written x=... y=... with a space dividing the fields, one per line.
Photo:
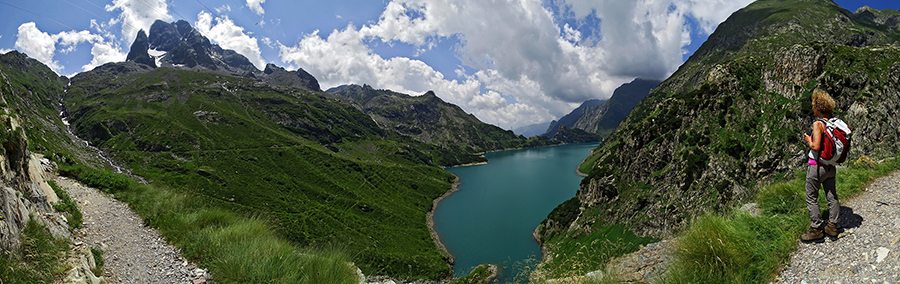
x=33 y=91
x=258 y=149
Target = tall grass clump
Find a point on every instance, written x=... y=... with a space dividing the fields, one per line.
x=39 y=260
x=66 y=204
x=235 y=247
x=737 y=247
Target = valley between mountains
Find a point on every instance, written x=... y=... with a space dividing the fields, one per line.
x=259 y=176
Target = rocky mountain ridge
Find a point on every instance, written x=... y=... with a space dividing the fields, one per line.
x=569 y=119
x=600 y=117
x=604 y=118
x=732 y=116
x=430 y=119
x=178 y=45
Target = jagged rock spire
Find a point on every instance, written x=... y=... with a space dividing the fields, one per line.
x=139 y=49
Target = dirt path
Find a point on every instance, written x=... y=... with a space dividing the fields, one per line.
x=868 y=250
x=133 y=253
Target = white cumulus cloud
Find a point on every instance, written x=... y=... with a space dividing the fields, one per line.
x=531 y=64
x=38 y=45
x=43 y=46
x=223 y=9
x=104 y=52
x=69 y=40
x=138 y=14
x=256 y=6
x=230 y=36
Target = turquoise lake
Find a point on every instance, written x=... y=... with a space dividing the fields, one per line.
x=492 y=216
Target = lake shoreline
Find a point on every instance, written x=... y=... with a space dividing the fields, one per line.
x=578 y=167
x=430 y=221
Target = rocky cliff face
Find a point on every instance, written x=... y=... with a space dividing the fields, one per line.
x=734 y=114
x=24 y=192
x=607 y=116
x=573 y=117
x=277 y=76
x=600 y=117
x=139 y=50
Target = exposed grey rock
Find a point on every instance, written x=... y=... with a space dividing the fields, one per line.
x=751 y=208
x=299 y=78
x=24 y=194
x=164 y=36
x=80 y=263
x=139 y=50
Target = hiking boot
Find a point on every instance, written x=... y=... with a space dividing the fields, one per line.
x=831 y=230
x=814 y=235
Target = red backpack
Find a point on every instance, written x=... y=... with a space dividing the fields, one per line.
x=836 y=141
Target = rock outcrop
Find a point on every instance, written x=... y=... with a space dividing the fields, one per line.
x=24 y=192
x=277 y=76
x=139 y=50
x=81 y=267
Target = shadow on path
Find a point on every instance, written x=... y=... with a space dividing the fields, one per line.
x=849 y=219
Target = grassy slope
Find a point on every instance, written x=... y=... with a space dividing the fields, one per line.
x=40 y=261
x=32 y=91
x=714 y=245
x=236 y=248
x=241 y=159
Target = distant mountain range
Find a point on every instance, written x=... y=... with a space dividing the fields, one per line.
x=532 y=130
x=597 y=118
x=430 y=119
x=569 y=120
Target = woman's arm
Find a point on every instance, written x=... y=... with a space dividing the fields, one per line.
x=815 y=142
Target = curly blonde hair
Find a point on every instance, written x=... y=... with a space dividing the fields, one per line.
x=823 y=102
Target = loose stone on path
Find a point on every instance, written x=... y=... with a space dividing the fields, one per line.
x=132 y=252
x=868 y=250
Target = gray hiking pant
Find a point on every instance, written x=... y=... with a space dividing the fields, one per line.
x=824 y=176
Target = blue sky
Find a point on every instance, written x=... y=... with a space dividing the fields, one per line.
x=509 y=62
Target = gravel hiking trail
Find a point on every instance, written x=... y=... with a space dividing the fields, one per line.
x=868 y=248
x=133 y=252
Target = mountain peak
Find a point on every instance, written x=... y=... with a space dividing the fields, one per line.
x=178 y=45
x=278 y=76
x=139 y=50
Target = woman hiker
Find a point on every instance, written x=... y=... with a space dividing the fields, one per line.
x=820 y=174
